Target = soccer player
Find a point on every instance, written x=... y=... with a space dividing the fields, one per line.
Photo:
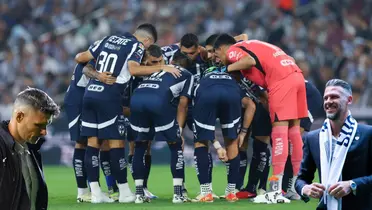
x=153 y=114
x=102 y=116
x=153 y=56
x=271 y=68
x=217 y=96
x=73 y=106
x=259 y=169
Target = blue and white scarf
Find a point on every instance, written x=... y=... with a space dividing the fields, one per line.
x=332 y=165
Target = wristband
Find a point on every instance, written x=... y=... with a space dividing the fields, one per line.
x=244 y=130
x=217 y=145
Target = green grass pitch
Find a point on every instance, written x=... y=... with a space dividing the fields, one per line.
x=62 y=192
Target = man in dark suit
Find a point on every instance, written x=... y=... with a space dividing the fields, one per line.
x=22 y=184
x=354 y=183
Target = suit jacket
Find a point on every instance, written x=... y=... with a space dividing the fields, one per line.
x=13 y=193
x=357 y=167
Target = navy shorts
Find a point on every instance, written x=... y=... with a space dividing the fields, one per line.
x=261 y=123
x=152 y=118
x=73 y=113
x=218 y=101
x=130 y=134
x=103 y=119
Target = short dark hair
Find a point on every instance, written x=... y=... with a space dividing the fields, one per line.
x=181 y=59
x=340 y=83
x=154 y=50
x=224 y=39
x=189 y=40
x=39 y=100
x=149 y=28
x=211 y=39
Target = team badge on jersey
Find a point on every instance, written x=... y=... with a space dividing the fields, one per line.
x=121 y=125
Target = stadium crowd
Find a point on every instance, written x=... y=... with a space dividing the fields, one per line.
x=328 y=40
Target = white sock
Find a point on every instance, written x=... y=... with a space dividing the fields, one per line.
x=293 y=184
x=177 y=182
x=124 y=188
x=205 y=189
x=280 y=182
x=95 y=188
x=83 y=191
x=138 y=182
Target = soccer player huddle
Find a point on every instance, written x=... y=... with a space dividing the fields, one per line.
x=126 y=88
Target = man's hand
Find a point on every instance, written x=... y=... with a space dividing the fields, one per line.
x=222 y=154
x=106 y=78
x=241 y=138
x=173 y=70
x=314 y=190
x=340 y=189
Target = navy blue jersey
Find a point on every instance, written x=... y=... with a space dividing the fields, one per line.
x=165 y=86
x=250 y=89
x=216 y=78
x=198 y=67
x=168 y=52
x=75 y=91
x=112 y=55
x=131 y=86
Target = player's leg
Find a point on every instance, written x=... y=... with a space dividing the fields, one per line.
x=204 y=128
x=148 y=161
x=243 y=163
x=111 y=127
x=106 y=168
x=142 y=124
x=229 y=113
x=130 y=137
x=167 y=129
x=189 y=123
x=74 y=118
x=90 y=129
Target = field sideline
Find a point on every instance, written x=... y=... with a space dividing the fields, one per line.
x=62 y=192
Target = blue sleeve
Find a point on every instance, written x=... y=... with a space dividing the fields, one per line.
x=92 y=62
x=187 y=87
x=307 y=169
x=137 y=52
x=168 y=52
x=96 y=48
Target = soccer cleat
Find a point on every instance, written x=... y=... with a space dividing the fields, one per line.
x=271 y=198
x=127 y=197
x=261 y=191
x=85 y=198
x=245 y=195
x=224 y=196
x=231 y=197
x=179 y=199
x=142 y=199
x=207 y=198
x=101 y=198
x=215 y=196
x=113 y=195
x=292 y=195
x=148 y=194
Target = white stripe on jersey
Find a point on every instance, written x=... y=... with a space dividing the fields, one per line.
x=124 y=75
x=83 y=81
x=191 y=85
x=97 y=44
x=177 y=88
x=107 y=123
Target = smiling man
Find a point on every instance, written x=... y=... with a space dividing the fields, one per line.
x=22 y=183
x=335 y=150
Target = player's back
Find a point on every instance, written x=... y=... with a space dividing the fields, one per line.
x=112 y=54
x=165 y=87
x=217 y=78
x=273 y=62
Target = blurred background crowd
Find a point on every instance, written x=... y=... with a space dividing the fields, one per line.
x=39 y=38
